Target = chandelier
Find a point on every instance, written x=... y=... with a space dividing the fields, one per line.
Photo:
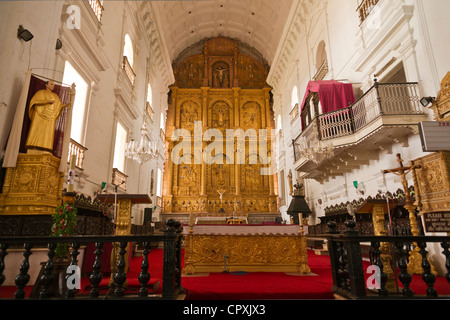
x=144 y=151
x=316 y=150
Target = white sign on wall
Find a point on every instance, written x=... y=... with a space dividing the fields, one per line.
x=435 y=135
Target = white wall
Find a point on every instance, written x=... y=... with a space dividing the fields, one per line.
x=410 y=31
x=95 y=50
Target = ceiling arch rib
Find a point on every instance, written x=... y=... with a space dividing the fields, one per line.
x=259 y=23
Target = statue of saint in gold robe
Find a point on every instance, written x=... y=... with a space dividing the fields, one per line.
x=45 y=108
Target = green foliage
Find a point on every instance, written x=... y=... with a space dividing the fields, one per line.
x=64 y=224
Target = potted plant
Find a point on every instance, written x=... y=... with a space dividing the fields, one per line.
x=64 y=224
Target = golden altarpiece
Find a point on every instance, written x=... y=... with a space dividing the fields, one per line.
x=220 y=85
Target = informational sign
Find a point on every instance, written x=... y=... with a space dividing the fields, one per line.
x=435 y=135
x=437 y=222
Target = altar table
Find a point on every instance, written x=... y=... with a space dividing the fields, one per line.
x=246 y=248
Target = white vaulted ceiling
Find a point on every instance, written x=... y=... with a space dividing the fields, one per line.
x=258 y=23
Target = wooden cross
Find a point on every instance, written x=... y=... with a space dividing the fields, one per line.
x=402 y=171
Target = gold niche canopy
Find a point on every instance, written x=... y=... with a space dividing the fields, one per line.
x=220 y=87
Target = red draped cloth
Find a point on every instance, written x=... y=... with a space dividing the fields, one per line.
x=333 y=95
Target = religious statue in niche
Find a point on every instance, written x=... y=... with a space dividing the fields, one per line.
x=44 y=110
x=188 y=115
x=187 y=175
x=190 y=73
x=251 y=116
x=221 y=75
x=219 y=175
x=252 y=176
x=220 y=118
x=250 y=75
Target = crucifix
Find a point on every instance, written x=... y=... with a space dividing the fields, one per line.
x=221 y=192
x=415 y=258
x=402 y=171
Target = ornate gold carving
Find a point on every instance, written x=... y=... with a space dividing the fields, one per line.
x=252 y=253
x=251 y=116
x=34 y=186
x=189 y=113
x=207 y=89
x=433 y=182
x=220 y=116
x=443 y=100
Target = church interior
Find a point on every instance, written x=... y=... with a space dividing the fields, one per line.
x=170 y=149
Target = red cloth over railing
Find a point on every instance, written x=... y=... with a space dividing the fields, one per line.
x=333 y=95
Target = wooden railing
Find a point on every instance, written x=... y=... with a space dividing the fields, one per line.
x=128 y=70
x=322 y=71
x=171 y=274
x=78 y=151
x=294 y=113
x=150 y=112
x=97 y=7
x=365 y=8
x=347 y=264
x=380 y=100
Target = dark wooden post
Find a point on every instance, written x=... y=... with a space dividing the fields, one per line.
x=120 y=277
x=334 y=258
x=74 y=253
x=23 y=277
x=428 y=277
x=446 y=252
x=354 y=261
x=47 y=276
x=96 y=277
x=169 y=264
x=144 y=276
x=402 y=264
x=3 y=253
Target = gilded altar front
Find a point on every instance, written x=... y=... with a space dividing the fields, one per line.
x=220 y=95
x=245 y=248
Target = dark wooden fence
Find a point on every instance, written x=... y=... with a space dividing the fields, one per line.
x=171 y=274
x=347 y=265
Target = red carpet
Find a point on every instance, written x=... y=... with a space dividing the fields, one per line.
x=245 y=286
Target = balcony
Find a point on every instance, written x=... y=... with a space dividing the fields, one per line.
x=128 y=70
x=365 y=8
x=77 y=150
x=97 y=7
x=337 y=142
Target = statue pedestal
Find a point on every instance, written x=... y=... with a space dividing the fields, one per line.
x=34 y=186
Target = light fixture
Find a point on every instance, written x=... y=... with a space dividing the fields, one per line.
x=58 y=44
x=24 y=34
x=315 y=150
x=142 y=152
x=425 y=101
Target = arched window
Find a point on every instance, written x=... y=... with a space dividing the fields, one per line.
x=149 y=94
x=294 y=97
x=79 y=107
x=128 y=49
x=162 y=122
x=321 y=54
x=119 y=149
x=279 y=123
